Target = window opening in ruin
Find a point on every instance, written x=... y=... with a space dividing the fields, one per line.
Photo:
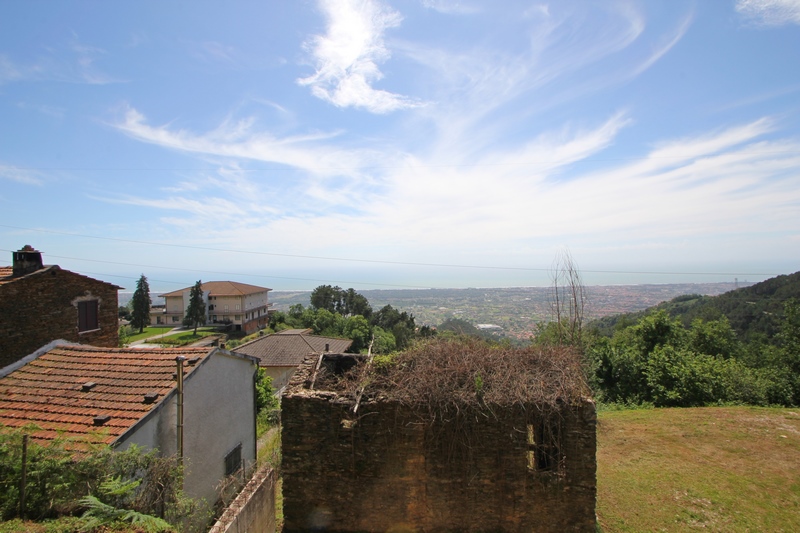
x=233 y=460
x=531 y=448
x=87 y=316
x=544 y=454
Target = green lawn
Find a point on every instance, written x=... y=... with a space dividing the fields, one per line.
x=187 y=337
x=715 y=468
x=149 y=332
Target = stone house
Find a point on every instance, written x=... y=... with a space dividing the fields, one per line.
x=123 y=396
x=451 y=436
x=280 y=354
x=41 y=303
x=245 y=307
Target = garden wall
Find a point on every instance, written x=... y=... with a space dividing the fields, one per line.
x=253 y=510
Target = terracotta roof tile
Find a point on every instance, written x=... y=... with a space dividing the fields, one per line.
x=290 y=349
x=223 y=288
x=49 y=391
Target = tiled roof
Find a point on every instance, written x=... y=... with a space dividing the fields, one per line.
x=7 y=275
x=49 y=391
x=290 y=349
x=223 y=288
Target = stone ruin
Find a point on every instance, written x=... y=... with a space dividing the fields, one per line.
x=450 y=436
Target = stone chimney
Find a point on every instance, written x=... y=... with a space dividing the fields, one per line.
x=26 y=260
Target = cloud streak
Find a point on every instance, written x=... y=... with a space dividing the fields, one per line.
x=346 y=57
x=26 y=177
x=770 y=12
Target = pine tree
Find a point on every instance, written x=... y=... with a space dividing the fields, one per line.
x=141 y=304
x=196 y=312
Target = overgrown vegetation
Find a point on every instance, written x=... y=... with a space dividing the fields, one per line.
x=68 y=478
x=267 y=404
x=464 y=373
x=659 y=360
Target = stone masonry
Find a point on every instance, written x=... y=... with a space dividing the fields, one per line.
x=41 y=306
x=388 y=469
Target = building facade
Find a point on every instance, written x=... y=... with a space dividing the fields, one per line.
x=244 y=307
x=41 y=303
x=123 y=396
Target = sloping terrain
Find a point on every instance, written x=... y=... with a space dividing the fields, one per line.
x=712 y=469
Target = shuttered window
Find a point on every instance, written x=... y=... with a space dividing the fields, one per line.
x=87 y=315
x=233 y=461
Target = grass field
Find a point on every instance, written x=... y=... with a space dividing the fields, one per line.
x=187 y=337
x=148 y=332
x=713 y=469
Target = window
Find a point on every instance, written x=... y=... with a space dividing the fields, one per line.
x=233 y=461
x=226 y=307
x=543 y=447
x=237 y=317
x=238 y=307
x=175 y=318
x=87 y=316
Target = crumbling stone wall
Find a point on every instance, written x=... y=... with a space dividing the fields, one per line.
x=40 y=307
x=390 y=468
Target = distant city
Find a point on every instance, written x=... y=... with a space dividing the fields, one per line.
x=512 y=312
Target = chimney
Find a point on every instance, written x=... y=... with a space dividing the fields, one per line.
x=26 y=260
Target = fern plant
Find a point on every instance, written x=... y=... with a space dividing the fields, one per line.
x=99 y=513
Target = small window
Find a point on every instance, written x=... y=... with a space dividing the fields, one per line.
x=175 y=318
x=233 y=461
x=238 y=307
x=87 y=316
x=237 y=317
x=543 y=447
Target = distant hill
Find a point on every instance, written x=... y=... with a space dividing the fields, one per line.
x=752 y=310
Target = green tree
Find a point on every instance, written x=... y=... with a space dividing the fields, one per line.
x=196 y=312
x=357 y=329
x=789 y=344
x=354 y=303
x=265 y=395
x=384 y=341
x=400 y=324
x=140 y=316
x=714 y=337
x=327 y=297
x=124 y=313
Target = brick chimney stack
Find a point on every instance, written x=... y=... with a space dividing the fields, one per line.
x=26 y=260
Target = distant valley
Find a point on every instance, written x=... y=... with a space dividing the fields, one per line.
x=516 y=310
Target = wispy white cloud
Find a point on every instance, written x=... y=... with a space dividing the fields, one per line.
x=214 y=51
x=73 y=63
x=239 y=139
x=347 y=56
x=665 y=46
x=20 y=175
x=52 y=111
x=770 y=12
x=8 y=70
x=448 y=7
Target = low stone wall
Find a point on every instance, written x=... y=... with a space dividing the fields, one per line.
x=391 y=470
x=253 y=510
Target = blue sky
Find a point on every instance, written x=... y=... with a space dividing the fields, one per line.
x=429 y=143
